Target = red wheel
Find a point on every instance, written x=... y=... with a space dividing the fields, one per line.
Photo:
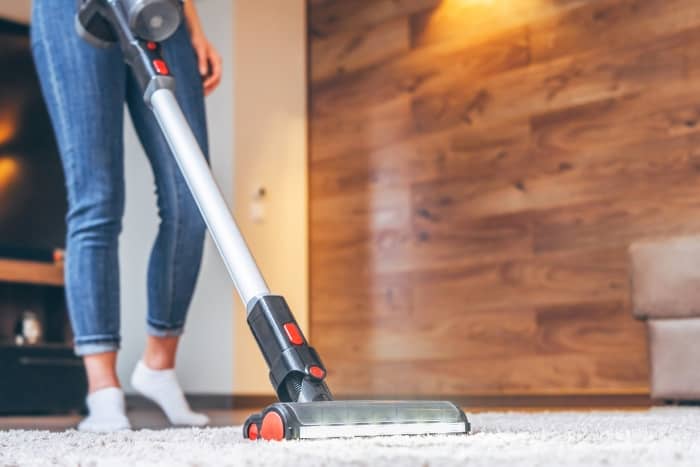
x=253 y=431
x=272 y=427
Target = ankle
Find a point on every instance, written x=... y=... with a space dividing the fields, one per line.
x=101 y=371
x=160 y=352
x=103 y=384
x=157 y=362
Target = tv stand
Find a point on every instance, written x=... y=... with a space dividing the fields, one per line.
x=45 y=377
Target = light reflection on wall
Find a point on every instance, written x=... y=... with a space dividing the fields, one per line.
x=478 y=20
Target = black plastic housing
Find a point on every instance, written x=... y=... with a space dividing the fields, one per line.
x=153 y=20
x=103 y=23
x=150 y=20
x=289 y=363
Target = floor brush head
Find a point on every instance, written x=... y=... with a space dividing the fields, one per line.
x=344 y=419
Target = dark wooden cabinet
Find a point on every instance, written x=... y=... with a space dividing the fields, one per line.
x=46 y=377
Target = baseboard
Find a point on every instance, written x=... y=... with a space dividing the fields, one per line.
x=209 y=401
x=247 y=401
x=554 y=401
x=528 y=400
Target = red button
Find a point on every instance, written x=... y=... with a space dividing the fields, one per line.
x=152 y=45
x=293 y=333
x=317 y=372
x=161 y=67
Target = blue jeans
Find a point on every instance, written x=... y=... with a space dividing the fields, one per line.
x=85 y=89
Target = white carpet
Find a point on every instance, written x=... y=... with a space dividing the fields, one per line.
x=663 y=437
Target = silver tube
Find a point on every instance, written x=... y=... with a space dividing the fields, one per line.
x=235 y=252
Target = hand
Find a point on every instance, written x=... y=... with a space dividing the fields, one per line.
x=208 y=59
x=209 y=62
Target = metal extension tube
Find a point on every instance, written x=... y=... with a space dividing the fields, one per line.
x=234 y=251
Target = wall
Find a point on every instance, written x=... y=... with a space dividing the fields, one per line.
x=477 y=170
x=205 y=359
x=271 y=152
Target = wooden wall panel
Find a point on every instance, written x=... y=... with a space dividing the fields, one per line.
x=477 y=171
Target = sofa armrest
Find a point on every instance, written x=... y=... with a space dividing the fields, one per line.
x=665 y=278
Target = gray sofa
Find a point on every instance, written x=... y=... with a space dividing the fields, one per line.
x=665 y=278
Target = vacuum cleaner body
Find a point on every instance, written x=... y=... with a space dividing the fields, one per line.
x=306 y=409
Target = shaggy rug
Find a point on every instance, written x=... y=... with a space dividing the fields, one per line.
x=662 y=436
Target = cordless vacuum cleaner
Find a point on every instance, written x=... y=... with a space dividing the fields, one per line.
x=306 y=409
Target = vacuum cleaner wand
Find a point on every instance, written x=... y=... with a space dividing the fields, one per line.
x=306 y=408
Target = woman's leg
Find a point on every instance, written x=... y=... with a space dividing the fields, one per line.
x=84 y=91
x=101 y=369
x=177 y=252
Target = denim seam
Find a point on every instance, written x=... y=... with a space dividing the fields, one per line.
x=176 y=262
x=95 y=348
x=53 y=82
x=165 y=325
x=160 y=332
x=97 y=338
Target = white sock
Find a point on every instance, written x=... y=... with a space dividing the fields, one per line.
x=161 y=387
x=107 y=412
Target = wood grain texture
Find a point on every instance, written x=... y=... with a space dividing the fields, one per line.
x=31 y=272
x=477 y=171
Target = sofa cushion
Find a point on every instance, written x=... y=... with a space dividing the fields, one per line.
x=675 y=368
x=665 y=278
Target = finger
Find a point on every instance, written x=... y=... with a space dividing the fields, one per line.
x=216 y=72
x=202 y=61
x=214 y=77
x=208 y=83
x=217 y=64
x=212 y=86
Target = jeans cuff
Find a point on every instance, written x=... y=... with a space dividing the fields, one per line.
x=160 y=331
x=91 y=348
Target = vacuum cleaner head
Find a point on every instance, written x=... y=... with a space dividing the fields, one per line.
x=343 y=419
x=307 y=409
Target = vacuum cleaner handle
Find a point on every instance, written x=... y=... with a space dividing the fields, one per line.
x=296 y=371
